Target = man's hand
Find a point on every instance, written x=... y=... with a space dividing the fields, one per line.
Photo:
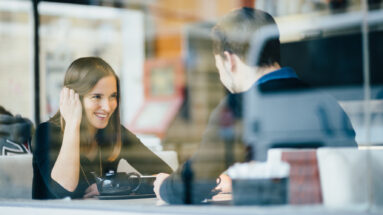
x=91 y=191
x=157 y=184
x=225 y=185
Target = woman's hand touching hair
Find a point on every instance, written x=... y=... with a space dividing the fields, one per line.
x=70 y=106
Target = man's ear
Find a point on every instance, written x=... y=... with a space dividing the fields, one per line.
x=230 y=61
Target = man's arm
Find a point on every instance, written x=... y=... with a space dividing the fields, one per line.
x=194 y=180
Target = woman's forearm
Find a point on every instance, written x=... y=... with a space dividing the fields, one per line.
x=66 y=169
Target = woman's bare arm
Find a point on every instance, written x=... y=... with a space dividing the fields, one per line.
x=67 y=166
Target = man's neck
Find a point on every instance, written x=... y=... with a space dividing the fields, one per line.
x=252 y=75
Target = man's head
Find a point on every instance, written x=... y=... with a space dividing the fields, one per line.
x=233 y=38
x=235 y=31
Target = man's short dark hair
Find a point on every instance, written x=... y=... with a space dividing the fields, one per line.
x=235 y=31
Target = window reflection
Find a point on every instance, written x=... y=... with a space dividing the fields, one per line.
x=327 y=50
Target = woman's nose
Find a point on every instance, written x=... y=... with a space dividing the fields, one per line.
x=106 y=106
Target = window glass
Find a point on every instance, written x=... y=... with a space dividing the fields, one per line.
x=241 y=102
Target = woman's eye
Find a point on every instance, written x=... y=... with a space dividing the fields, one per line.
x=96 y=97
x=113 y=96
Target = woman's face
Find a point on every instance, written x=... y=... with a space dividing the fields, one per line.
x=100 y=102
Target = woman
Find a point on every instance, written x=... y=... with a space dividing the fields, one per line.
x=86 y=136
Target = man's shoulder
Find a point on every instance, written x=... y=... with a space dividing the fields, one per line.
x=283 y=84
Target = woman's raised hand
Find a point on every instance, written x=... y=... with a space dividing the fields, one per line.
x=70 y=106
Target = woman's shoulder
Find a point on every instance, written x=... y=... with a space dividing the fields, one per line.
x=48 y=128
x=47 y=136
x=47 y=125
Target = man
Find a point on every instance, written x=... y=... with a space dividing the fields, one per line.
x=278 y=109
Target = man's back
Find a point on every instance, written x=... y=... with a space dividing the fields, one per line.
x=287 y=113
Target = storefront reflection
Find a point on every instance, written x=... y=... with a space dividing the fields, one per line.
x=321 y=41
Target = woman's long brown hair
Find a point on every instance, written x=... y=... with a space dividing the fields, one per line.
x=81 y=76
